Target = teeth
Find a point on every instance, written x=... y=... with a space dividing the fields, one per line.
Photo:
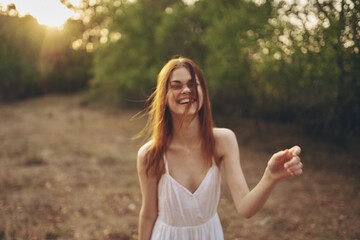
x=183 y=101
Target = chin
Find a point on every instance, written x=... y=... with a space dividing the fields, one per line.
x=192 y=111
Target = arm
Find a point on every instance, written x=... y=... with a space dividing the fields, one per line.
x=148 y=187
x=282 y=164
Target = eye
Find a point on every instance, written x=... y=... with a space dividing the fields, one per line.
x=176 y=86
x=193 y=84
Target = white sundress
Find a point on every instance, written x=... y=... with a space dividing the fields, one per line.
x=184 y=215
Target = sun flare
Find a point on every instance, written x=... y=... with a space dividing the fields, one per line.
x=48 y=12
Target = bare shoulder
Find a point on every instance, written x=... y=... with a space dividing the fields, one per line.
x=223 y=134
x=141 y=153
x=225 y=141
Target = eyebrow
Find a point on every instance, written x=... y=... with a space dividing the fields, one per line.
x=179 y=81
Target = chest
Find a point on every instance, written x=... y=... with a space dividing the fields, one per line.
x=188 y=169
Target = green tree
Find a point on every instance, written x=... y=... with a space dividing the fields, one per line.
x=285 y=61
x=35 y=59
x=19 y=51
x=324 y=62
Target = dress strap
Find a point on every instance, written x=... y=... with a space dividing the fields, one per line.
x=166 y=164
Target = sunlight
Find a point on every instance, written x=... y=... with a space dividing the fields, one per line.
x=50 y=12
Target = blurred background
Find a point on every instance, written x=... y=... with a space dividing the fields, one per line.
x=279 y=73
x=290 y=61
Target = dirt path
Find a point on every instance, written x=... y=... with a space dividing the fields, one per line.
x=69 y=172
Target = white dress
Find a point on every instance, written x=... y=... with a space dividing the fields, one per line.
x=184 y=215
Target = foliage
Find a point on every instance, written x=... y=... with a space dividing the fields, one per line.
x=19 y=51
x=275 y=60
x=37 y=60
x=62 y=68
x=279 y=60
x=322 y=67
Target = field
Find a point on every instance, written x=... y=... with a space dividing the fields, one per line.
x=68 y=171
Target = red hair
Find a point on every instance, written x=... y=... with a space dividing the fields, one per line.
x=159 y=122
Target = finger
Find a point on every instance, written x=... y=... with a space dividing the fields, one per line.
x=280 y=155
x=296 y=150
x=295 y=160
x=295 y=167
x=295 y=170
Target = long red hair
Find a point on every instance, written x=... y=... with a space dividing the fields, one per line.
x=159 y=122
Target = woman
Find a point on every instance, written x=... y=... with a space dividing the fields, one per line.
x=179 y=168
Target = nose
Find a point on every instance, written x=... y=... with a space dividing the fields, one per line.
x=186 y=89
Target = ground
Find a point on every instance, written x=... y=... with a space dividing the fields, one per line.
x=68 y=171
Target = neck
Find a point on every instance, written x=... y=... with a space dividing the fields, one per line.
x=186 y=131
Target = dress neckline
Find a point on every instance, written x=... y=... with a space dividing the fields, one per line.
x=182 y=186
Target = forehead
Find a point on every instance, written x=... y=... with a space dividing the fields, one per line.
x=180 y=74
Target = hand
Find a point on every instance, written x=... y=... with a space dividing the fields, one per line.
x=285 y=163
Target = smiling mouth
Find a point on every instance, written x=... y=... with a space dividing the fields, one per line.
x=186 y=101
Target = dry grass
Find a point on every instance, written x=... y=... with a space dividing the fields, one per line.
x=69 y=172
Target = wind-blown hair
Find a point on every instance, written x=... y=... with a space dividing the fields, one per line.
x=159 y=122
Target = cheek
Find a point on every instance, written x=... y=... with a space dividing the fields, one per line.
x=170 y=98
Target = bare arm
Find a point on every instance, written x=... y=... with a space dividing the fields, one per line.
x=282 y=164
x=148 y=185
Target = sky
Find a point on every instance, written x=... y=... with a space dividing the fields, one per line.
x=48 y=12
